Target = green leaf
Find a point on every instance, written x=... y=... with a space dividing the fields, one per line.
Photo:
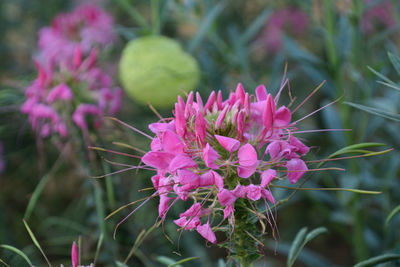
x=36 y=242
x=376 y=111
x=355 y=147
x=393 y=86
x=395 y=61
x=205 y=25
x=165 y=260
x=255 y=26
x=183 y=261
x=302 y=238
x=392 y=214
x=17 y=251
x=379 y=259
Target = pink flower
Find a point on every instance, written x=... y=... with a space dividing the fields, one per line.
x=291 y=19
x=376 y=15
x=60 y=92
x=223 y=151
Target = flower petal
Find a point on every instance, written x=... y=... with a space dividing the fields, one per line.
x=296 y=168
x=247 y=155
x=228 y=143
x=206 y=232
x=267 y=176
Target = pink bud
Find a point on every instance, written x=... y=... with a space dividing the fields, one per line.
x=210 y=101
x=219 y=100
x=180 y=121
x=199 y=102
x=74 y=255
x=240 y=93
x=268 y=114
x=261 y=93
x=200 y=126
x=221 y=117
x=77 y=57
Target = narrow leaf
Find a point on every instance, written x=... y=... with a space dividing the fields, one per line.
x=19 y=252
x=36 y=242
x=302 y=238
x=255 y=26
x=379 y=259
x=205 y=25
x=395 y=61
x=183 y=261
x=392 y=214
x=376 y=111
x=296 y=246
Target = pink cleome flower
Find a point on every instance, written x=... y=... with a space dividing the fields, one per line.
x=222 y=151
x=70 y=85
x=87 y=27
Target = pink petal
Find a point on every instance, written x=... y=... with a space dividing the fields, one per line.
x=296 y=168
x=282 y=117
x=261 y=93
x=228 y=143
x=218 y=180
x=180 y=121
x=193 y=211
x=207 y=179
x=163 y=206
x=239 y=191
x=221 y=117
x=206 y=232
x=181 y=162
x=210 y=156
x=187 y=223
x=156 y=144
x=253 y=192
x=299 y=146
x=158 y=159
x=172 y=143
x=273 y=149
x=188 y=177
x=228 y=210
x=247 y=155
x=268 y=195
x=226 y=197
x=267 y=176
x=246 y=171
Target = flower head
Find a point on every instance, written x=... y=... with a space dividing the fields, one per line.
x=222 y=152
x=70 y=86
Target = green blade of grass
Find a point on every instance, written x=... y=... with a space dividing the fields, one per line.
x=36 y=242
x=17 y=251
x=392 y=214
x=379 y=259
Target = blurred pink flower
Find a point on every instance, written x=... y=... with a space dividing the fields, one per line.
x=289 y=19
x=86 y=27
x=70 y=85
x=378 y=15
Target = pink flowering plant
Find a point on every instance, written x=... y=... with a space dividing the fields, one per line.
x=70 y=86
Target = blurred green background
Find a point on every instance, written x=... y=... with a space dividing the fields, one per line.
x=233 y=41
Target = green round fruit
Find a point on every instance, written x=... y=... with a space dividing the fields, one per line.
x=155 y=69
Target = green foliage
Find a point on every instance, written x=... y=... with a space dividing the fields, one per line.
x=302 y=238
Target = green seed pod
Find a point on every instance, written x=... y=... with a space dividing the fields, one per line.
x=155 y=69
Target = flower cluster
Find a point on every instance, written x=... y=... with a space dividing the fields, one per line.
x=289 y=18
x=87 y=26
x=70 y=85
x=220 y=152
